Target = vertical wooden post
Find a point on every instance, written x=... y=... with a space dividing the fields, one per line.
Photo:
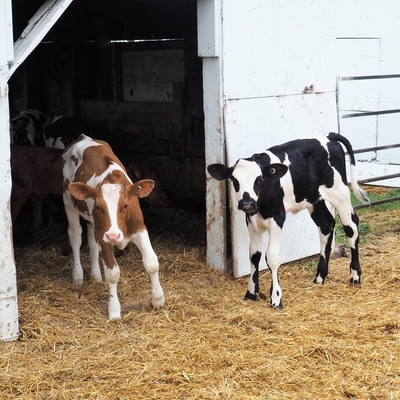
x=9 y=329
x=209 y=43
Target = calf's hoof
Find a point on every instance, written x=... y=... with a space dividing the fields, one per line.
x=250 y=296
x=355 y=282
x=277 y=307
x=159 y=302
x=318 y=280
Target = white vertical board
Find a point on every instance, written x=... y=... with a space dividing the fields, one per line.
x=273 y=55
x=209 y=20
x=9 y=327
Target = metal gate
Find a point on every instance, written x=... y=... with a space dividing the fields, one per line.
x=350 y=112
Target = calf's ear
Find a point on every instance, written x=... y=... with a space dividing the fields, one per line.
x=81 y=191
x=219 y=171
x=275 y=171
x=142 y=188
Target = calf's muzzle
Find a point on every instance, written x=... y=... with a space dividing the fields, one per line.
x=247 y=204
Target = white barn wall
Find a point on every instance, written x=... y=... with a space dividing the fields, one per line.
x=272 y=53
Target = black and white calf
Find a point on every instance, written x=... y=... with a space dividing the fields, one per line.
x=300 y=174
x=27 y=128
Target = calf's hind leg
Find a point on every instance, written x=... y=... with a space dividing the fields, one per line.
x=325 y=221
x=353 y=237
x=349 y=220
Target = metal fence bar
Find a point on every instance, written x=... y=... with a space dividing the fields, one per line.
x=369 y=113
x=376 y=148
x=358 y=78
x=377 y=202
x=379 y=178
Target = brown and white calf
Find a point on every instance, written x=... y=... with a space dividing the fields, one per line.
x=97 y=188
x=36 y=174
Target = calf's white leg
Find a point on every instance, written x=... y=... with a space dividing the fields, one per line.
x=94 y=253
x=75 y=239
x=150 y=262
x=273 y=262
x=340 y=199
x=111 y=276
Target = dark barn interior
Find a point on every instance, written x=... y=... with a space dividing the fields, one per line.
x=128 y=70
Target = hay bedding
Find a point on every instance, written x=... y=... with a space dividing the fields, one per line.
x=329 y=342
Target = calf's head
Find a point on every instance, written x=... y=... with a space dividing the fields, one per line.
x=248 y=178
x=116 y=210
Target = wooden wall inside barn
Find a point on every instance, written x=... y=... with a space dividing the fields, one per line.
x=78 y=72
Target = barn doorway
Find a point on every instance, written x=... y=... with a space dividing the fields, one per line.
x=131 y=72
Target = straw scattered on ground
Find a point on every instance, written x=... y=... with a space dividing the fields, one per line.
x=329 y=342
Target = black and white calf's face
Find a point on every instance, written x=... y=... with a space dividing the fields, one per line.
x=247 y=181
x=248 y=178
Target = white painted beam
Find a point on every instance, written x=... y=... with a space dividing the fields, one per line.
x=37 y=28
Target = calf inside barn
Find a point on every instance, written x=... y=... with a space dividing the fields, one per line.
x=157 y=197
x=27 y=128
x=62 y=131
x=36 y=174
x=97 y=188
x=297 y=175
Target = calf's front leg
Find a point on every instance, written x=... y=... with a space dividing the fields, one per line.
x=273 y=262
x=111 y=275
x=256 y=246
x=75 y=239
x=150 y=262
x=94 y=253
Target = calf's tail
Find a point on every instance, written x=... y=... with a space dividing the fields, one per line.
x=360 y=193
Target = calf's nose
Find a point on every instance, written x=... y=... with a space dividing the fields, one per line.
x=113 y=237
x=247 y=204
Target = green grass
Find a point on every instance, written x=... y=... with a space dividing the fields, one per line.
x=375 y=196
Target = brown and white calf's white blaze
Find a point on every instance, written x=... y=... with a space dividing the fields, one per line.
x=97 y=187
x=300 y=174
